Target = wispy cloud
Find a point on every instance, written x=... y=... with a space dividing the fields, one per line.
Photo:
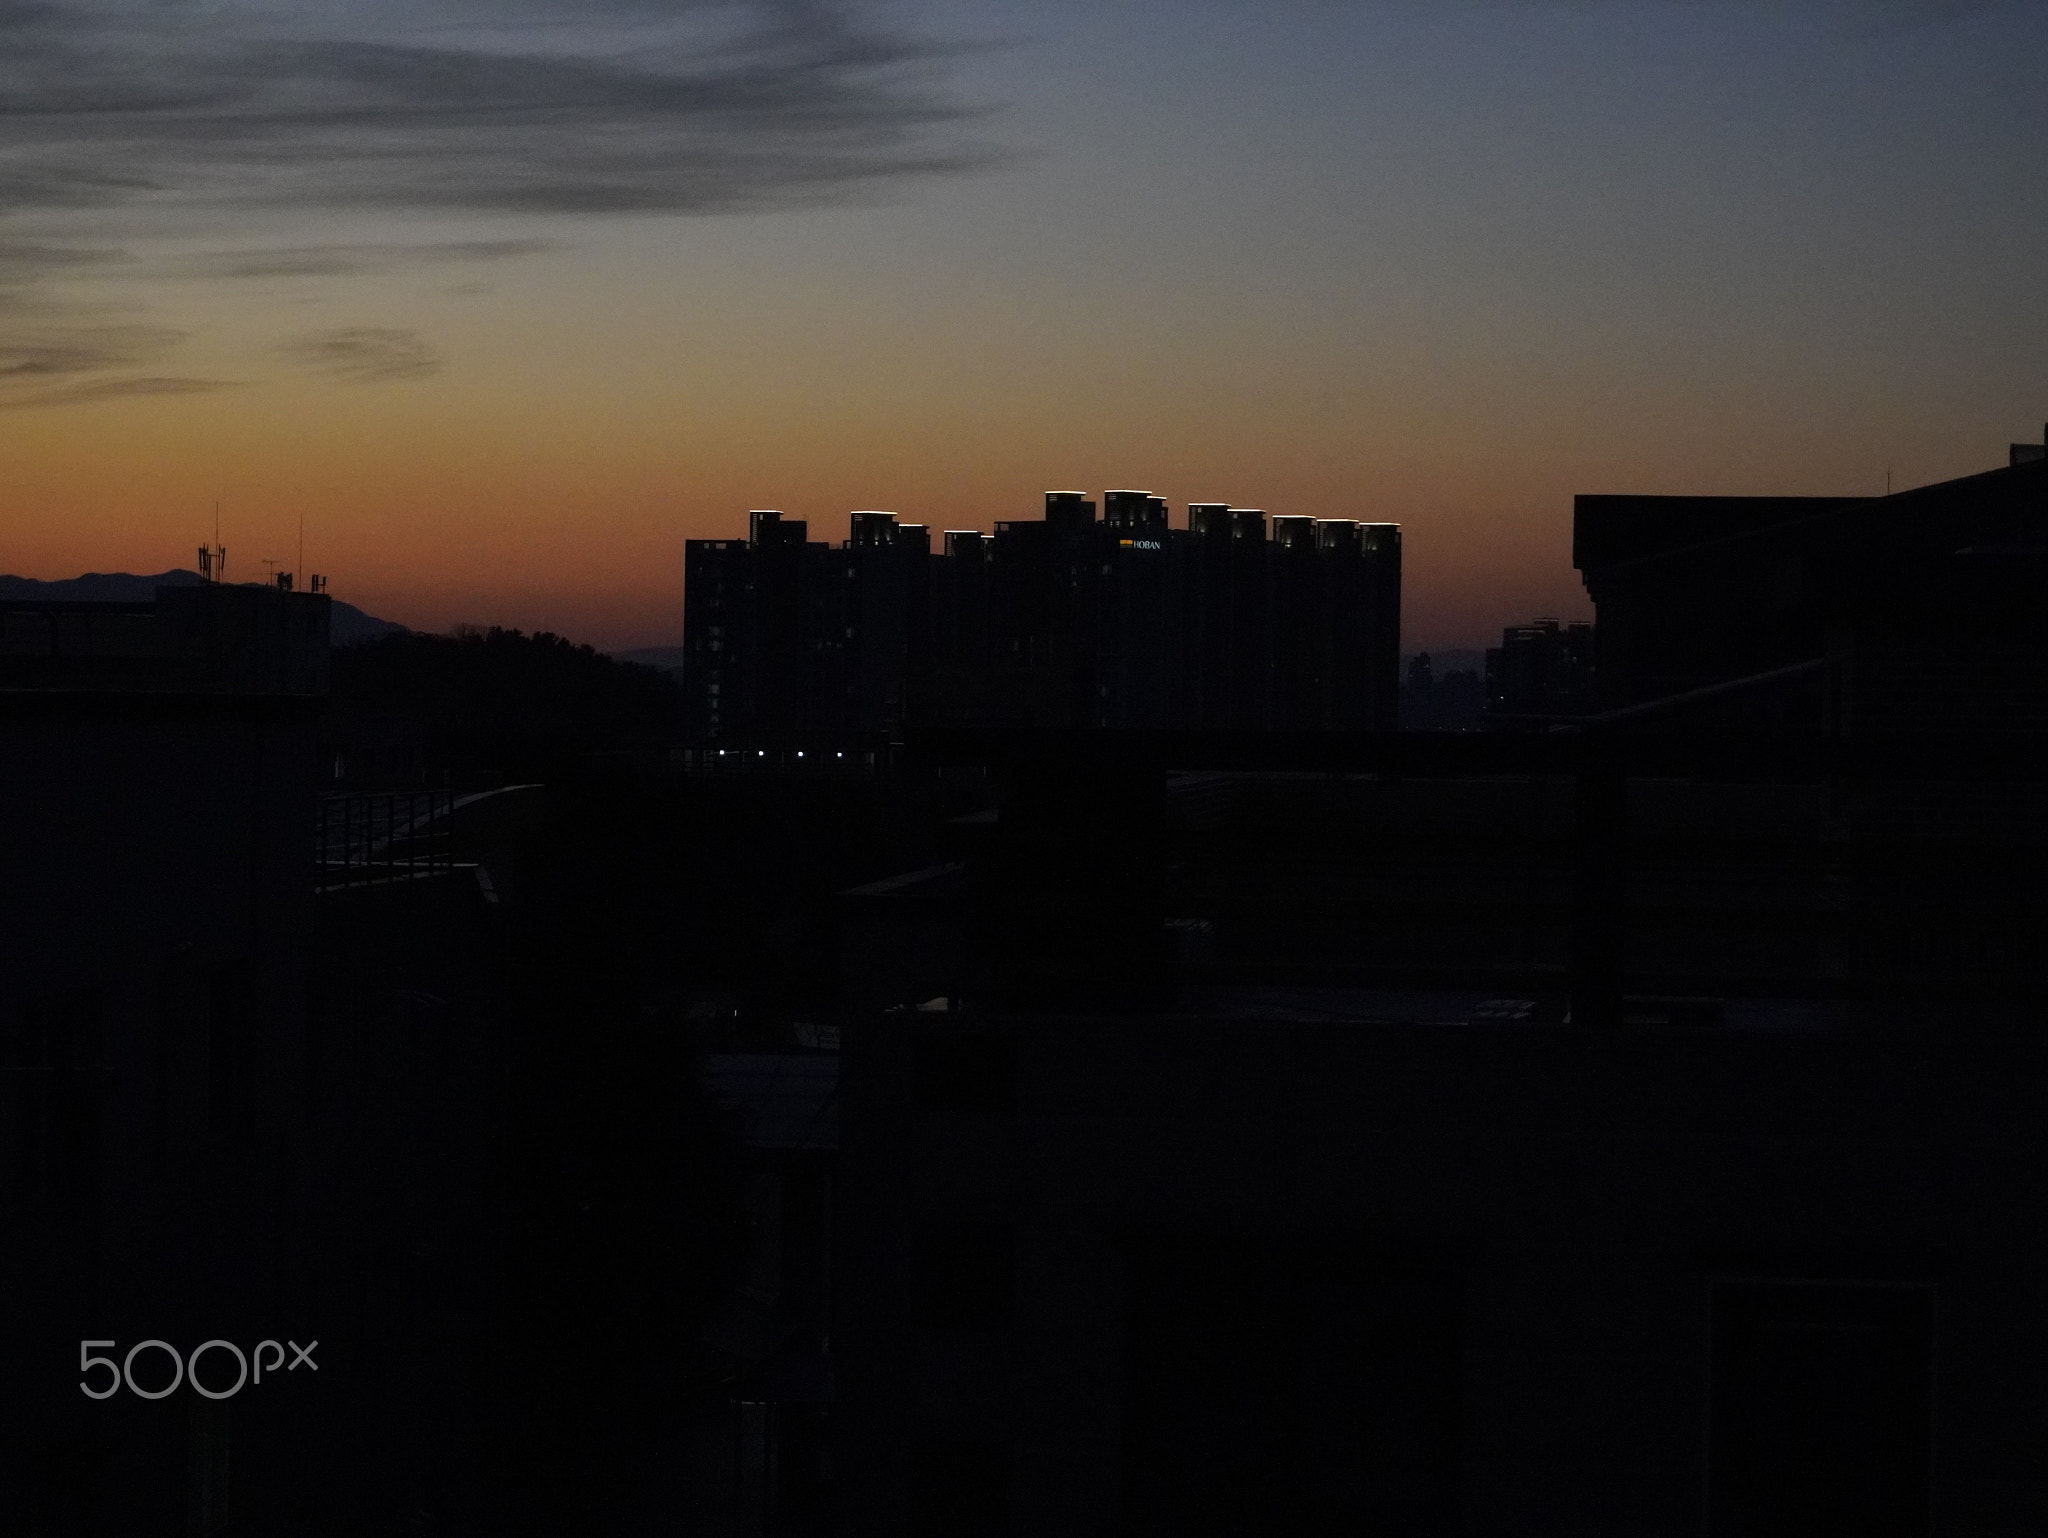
x=365 y=354
x=24 y=261
x=50 y=357
x=450 y=104
x=127 y=115
x=113 y=389
x=344 y=260
x=48 y=346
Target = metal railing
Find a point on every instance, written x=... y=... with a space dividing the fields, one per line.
x=384 y=836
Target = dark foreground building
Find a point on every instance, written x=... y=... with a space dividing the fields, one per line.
x=158 y=765
x=1119 y=621
x=1620 y=1130
x=1916 y=612
x=245 y=1098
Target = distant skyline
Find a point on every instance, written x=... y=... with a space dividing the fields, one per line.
x=509 y=299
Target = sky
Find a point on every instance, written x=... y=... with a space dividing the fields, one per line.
x=501 y=302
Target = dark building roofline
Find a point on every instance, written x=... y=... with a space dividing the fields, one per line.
x=1610 y=532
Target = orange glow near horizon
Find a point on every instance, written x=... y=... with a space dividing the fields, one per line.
x=1440 y=266
x=520 y=516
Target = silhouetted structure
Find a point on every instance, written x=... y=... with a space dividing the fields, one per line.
x=1434 y=699
x=388 y=1074
x=1626 y=1126
x=1539 y=672
x=346 y=624
x=158 y=763
x=1122 y=622
x=1916 y=612
x=198 y=639
x=1620 y=1127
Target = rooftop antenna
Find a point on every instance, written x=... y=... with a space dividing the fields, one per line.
x=1887 y=480
x=213 y=559
x=302 y=539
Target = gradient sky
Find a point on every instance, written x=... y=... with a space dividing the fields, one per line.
x=507 y=300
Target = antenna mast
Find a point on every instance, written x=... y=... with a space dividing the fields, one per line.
x=213 y=558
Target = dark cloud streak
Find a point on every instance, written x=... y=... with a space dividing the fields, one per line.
x=115 y=389
x=365 y=354
x=345 y=260
x=106 y=102
x=148 y=114
x=46 y=350
x=21 y=260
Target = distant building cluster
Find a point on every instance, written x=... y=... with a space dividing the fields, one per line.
x=1433 y=700
x=1235 y=622
x=1540 y=671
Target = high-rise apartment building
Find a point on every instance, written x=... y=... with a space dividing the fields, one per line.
x=1090 y=617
